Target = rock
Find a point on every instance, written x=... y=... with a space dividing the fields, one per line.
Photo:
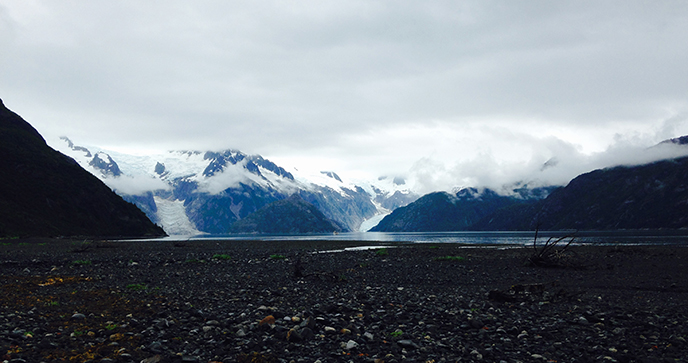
x=307 y=334
x=407 y=343
x=293 y=336
x=270 y=320
x=476 y=323
x=78 y=316
x=155 y=347
x=476 y=354
x=350 y=345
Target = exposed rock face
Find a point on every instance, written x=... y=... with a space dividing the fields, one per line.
x=45 y=193
x=291 y=215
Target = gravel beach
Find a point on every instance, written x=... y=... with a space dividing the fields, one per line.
x=277 y=301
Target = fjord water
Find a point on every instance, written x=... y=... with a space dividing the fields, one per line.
x=521 y=238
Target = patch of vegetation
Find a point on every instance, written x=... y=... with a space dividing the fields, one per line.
x=396 y=333
x=221 y=257
x=137 y=287
x=382 y=252
x=53 y=303
x=450 y=258
x=81 y=262
x=277 y=257
x=111 y=326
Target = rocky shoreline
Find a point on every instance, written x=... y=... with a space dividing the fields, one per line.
x=255 y=301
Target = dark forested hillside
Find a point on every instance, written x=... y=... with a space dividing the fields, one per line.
x=442 y=211
x=291 y=215
x=651 y=196
x=45 y=193
x=648 y=196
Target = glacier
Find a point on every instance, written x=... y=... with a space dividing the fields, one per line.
x=190 y=192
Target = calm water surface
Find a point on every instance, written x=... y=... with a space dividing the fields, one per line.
x=481 y=238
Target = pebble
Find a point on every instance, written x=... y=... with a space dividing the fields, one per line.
x=78 y=316
x=319 y=318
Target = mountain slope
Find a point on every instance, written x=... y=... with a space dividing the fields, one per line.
x=286 y=216
x=218 y=188
x=647 y=196
x=45 y=193
x=441 y=211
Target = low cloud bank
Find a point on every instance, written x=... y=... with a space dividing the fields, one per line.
x=135 y=185
x=552 y=162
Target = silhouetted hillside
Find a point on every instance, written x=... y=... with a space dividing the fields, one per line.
x=442 y=211
x=651 y=196
x=45 y=193
x=647 y=196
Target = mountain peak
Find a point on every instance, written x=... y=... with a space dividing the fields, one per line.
x=332 y=175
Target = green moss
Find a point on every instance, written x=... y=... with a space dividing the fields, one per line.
x=81 y=262
x=450 y=258
x=137 y=287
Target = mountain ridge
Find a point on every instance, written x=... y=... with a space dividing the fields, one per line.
x=647 y=196
x=219 y=188
x=46 y=193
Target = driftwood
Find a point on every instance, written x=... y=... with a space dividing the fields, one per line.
x=551 y=254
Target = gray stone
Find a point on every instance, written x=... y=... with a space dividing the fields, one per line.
x=78 y=316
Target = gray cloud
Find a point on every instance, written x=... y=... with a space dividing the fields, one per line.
x=468 y=91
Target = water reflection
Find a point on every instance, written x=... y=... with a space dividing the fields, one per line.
x=679 y=237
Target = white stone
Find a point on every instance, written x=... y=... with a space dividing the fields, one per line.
x=351 y=344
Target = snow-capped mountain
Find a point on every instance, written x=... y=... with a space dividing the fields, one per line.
x=189 y=192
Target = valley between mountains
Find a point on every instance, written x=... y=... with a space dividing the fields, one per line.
x=191 y=192
x=52 y=192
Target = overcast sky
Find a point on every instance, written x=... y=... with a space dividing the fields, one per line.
x=447 y=92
